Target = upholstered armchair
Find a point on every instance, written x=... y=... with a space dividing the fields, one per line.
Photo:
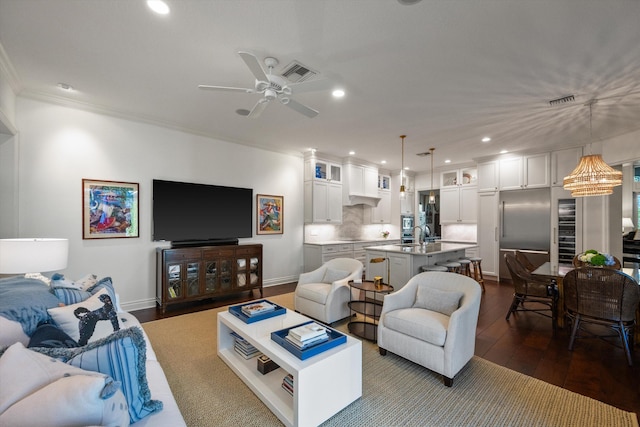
x=323 y=293
x=432 y=322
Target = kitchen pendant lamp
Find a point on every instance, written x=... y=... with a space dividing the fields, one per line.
x=403 y=193
x=592 y=176
x=432 y=194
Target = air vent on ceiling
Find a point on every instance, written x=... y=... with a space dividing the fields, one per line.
x=296 y=72
x=563 y=100
x=425 y=154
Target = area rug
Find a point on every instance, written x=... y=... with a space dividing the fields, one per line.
x=396 y=392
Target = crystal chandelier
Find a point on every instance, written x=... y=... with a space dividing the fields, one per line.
x=592 y=176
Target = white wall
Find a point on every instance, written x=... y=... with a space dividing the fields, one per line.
x=59 y=146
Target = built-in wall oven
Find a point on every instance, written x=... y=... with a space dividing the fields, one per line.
x=407 y=223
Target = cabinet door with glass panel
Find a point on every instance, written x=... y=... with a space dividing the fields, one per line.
x=218 y=276
x=182 y=274
x=248 y=268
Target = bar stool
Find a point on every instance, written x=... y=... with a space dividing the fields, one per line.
x=465 y=266
x=452 y=266
x=477 y=271
x=433 y=268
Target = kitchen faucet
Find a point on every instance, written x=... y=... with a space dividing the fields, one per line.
x=420 y=239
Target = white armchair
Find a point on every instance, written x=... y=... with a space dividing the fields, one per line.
x=323 y=293
x=422 y=322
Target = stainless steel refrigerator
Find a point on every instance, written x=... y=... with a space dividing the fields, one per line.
x=525 y=221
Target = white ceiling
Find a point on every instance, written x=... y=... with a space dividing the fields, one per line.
x=444 y=72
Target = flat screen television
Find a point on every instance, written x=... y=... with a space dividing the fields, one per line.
x=188 y=213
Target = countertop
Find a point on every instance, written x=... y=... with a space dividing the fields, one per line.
x=341 y=242
x=428 y=249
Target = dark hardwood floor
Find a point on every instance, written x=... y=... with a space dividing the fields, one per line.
x=525 y=343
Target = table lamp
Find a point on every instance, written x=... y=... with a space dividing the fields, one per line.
x=378 y=260
x=33 y=255
x=627 y=223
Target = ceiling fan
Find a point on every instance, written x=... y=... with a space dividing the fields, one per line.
x=271 y=86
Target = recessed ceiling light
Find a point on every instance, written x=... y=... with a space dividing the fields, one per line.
x=338 y=93
x=486 y=139
x=448 y=161
x=65 y=87
x=158 y=6
x=383 y=162
x=406 y=168
x=503 y=152
x=351 y=153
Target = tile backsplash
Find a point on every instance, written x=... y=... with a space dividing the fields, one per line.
x=352 y=227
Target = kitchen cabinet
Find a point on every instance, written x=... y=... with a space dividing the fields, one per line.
x=563 y=162
x=406 y=204
x=359 y=181
x=316 y=255
x=459 y=205
x=488 y=248
x=322 y=170
x=488 y=176
x=322 y=202
x=380 y=214
x=531 y=171
x=459 y=177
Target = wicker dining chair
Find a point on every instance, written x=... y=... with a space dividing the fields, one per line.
x=602 y=296
x=528 y=265
x=529 y=289
x=617 y=265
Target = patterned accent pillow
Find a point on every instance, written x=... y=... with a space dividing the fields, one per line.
x=70 y=295
x=122 y=356
x=88 y=320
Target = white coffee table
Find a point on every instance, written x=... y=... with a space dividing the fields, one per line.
x=324 y=384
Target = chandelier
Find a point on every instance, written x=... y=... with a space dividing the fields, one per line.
x=592 y=176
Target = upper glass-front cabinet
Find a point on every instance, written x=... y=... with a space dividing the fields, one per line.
x=458 y=177
x=327 y=171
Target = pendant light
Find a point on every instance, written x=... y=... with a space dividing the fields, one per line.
x=432 y=194
x=592 y=176
x=403 y=193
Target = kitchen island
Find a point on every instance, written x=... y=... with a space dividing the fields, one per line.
x=404 y=261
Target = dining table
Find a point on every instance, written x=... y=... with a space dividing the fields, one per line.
x=548 y=271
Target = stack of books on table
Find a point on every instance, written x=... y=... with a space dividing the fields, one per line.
x=287 y=384
x=307 y=335
x=243 y=347
x=260 y=307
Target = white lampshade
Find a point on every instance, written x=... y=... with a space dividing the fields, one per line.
x=627 y=223
x=33 y=255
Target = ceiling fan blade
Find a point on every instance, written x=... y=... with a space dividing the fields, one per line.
x=258 y=108
x=226 y=89
x=300 y=108
x=254 y=65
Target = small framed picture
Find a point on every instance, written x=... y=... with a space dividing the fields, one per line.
x=270 y=215
x=109 y=209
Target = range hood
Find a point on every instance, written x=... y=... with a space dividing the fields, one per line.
x=355 y=199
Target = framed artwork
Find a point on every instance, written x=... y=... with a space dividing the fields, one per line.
x=270 y=214
x=109 y=209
